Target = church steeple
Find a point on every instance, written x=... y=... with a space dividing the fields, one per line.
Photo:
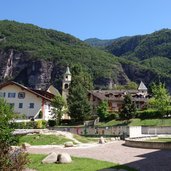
x=142 y=88
x=66 y=83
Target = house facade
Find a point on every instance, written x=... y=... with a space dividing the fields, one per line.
x=115 y=98
x=27 y=101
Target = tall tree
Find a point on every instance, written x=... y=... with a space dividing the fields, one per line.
x=128 y=109
x=78 y=104
x=59 y=106
x=161 y=98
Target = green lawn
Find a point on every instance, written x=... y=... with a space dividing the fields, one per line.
x=85 y=139
x=43 y=139
x=160 y=140
x=78 y=164
x=139 y=122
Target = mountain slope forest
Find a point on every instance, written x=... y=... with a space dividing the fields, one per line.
x=151 y=51
x=38 y=57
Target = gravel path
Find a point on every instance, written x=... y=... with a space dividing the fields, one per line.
x=141 y=159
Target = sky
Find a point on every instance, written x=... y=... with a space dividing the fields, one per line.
x=103 y=19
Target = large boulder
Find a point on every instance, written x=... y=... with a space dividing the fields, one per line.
x=51 y=158
x=102 y=140
x=69 y=144
x=64 y=158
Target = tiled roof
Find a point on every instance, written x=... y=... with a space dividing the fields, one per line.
x=36 y=92
x=112 y=94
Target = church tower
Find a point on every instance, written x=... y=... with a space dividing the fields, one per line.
x=66 y=83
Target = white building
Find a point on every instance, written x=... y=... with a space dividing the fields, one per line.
x=27 y=101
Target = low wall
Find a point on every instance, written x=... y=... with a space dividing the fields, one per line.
x=156 y=130
x=144 y=144
x=104 y=131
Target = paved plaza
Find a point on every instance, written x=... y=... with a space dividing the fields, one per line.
x=141 y=159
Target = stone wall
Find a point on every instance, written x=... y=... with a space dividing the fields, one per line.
x=108 y=131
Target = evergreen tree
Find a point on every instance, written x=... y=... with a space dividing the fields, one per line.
x=128 y=109
x=78 y=104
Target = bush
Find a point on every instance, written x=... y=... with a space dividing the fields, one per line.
x=12 y=159
x=29 y=125
x=39 y=124
x=9 y=159
x=51 y=123
x=148 y=114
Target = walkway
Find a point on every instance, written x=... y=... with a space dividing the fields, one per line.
x=141 y=159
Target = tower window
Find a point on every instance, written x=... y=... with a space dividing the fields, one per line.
x=66 y=86
x=66 y=77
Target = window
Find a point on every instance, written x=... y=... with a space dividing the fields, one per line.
x=2 y=94
x=20 y=105
x=21 y=95
x=11 y=95
x=31 y=105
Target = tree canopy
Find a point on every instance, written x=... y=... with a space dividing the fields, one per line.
x=78 y=104
x=59 y=107
x=161 y=98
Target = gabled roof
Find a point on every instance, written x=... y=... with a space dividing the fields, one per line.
x=142 y=86
x=111 y=94
x=37 y=93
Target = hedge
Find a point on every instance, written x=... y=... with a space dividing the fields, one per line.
x=40 y=124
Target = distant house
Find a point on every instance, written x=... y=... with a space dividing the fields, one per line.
x=115 y=97
x=28 y=101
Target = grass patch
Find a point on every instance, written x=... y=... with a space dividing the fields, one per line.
x=138 y=122
x=78 y=164
x=85 y=139
x=40 y=139
x=160 y=140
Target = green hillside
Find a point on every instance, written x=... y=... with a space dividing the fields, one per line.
x=50 y=51
x=56 y=46
x=152 y=51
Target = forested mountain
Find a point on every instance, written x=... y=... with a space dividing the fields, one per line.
x=38 y=57
x=152 y=51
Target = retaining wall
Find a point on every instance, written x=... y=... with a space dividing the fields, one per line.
x=144 y=144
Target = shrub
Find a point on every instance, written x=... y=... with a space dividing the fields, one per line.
x=39 y=124
x=29 y=125
x=44 y=124
x=149 y=114
x=51 y=123
x=9 y=160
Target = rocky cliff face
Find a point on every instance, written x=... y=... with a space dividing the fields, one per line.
x=19 y=67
